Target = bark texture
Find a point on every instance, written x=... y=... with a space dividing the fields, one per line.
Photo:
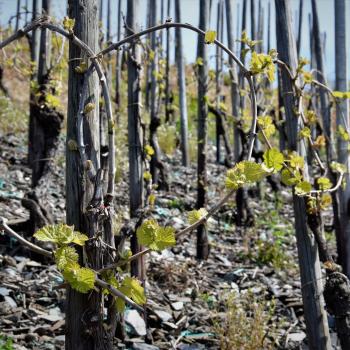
x=202 y=234
x=84 y=312
x=309 y=264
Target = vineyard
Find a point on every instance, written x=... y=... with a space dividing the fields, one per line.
x=151 y=201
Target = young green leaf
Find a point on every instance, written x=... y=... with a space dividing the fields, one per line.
x=149 y=150
x=274 y=159
x=324 y=183
x=266 y=125
x=341 y=94
x=79 y=238
x=245 y=172
x=151 y=235
x=210 y=36
x=84 y=280
x=52 y=101
x=296 y=161
x=195 y=215
x=290 y=178
x=89 y=107
x=147 y=176
x=338 y=167
x=82 y=68
x=61 y=234
x=343 y=133
x=146 y=233
x=81 y=279
x=68 y=23
x=303 y=188
x=305 y=132
x=165 y=237
x=64 y=256
x=131 y=288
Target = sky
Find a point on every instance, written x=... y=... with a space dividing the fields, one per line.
x=190 y=14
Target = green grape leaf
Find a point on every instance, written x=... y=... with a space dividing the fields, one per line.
x=266 y=125
x=89 y=107
x=199 y=61
x=52 y=101
x=262 y=63
x=84 y=280
x=146 y=233
x=61 y=234
x=253 y=171
x=305 y=132
x=151 y=235
x=149 y=150
x=274 y=159
x=307 y=77
x=82 y=68
x=165 y=238
x=147 y=176
x=325 y=201
x=343 y=133
x=296 y=161
x=137 y=292
x=311 y=117
x=68 y=23
x=245 y=172
x=79 y=238
x=210 y=36
x=324 y=183
x=341 y=94
x=290 y=178
x=303 y=188
x=319 y=142
x=131 y=288
x=195 y=215
x=338 y=167
x=65 y=256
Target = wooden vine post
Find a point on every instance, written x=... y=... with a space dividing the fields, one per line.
x=342 y=120
x=84 y=312
x=135 y=132
x=182 y=88
x=202 y=234
x=310 y=271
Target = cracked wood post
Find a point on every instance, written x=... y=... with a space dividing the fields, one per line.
x=218 y=71
x=300 y=24
x=327 y=129
x=135 y=132
x=234 y=80
x=46 y=120
x=34 y=55
x=84 y=312
x=202 y=197
x=118 y=62
x=167 y=69
x=342 y=119
x=182 y=87
x=309 y=264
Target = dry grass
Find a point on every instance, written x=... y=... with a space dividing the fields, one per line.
x=244 y=323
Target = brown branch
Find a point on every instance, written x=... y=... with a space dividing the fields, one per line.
x=190 y=228
x=31 y=246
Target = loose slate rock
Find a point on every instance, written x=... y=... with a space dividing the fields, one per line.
x=177 y=306
x=144 y=346
x=137 y=323
x=163 y=315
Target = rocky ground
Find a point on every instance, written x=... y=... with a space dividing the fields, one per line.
x=188 y=301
